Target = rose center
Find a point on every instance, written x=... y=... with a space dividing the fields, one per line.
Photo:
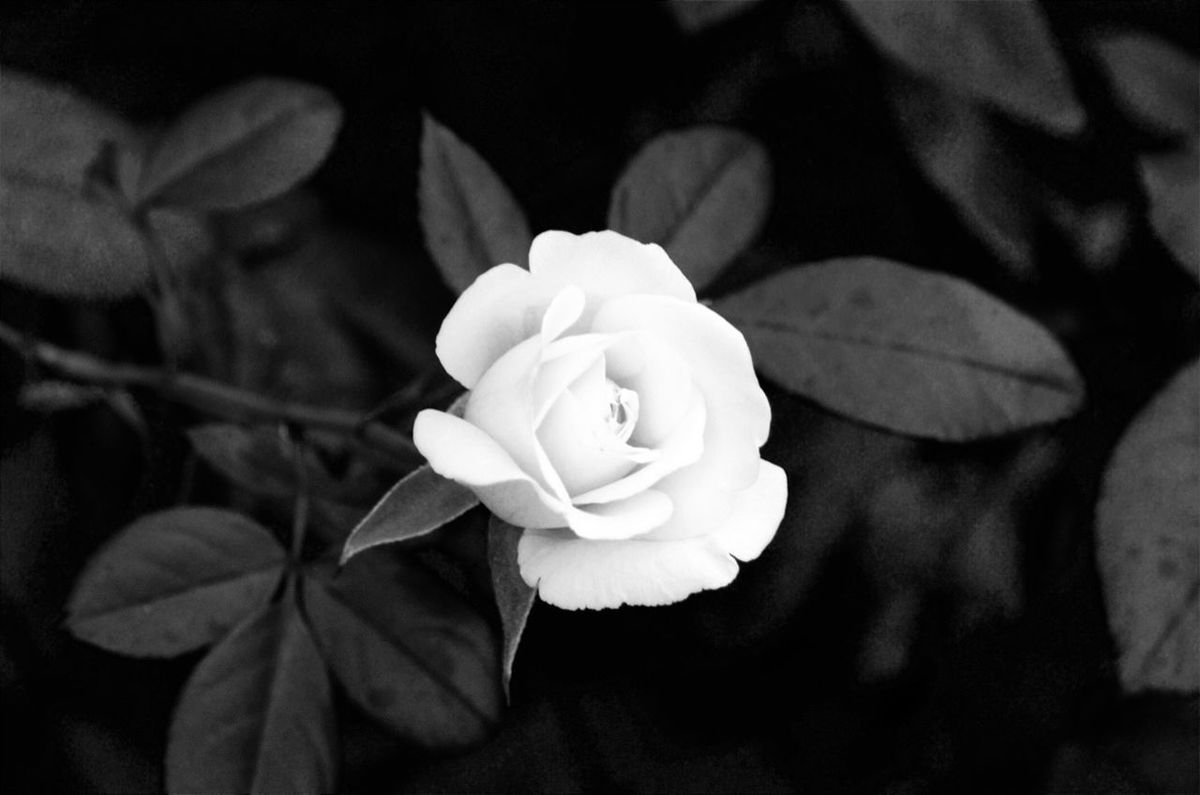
x=622 y=411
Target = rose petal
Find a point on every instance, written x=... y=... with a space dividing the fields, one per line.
x=755 y=515
x=501 y=405
x=662 y=380
x=717 y=353
x=684 y=447
x=502 y=307
x=569 y=437
x=606 y=264
x=564 y=309
x=739 y=416
x=575 y=573
x=460 y=451
x=621 y=519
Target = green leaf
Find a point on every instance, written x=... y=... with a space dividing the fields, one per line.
x=257 y=714
x=1172 y=184
x=241 y=146
x=1148 y=540
x=694 y=16
x=470 y=219
x=702 y=194
x=961 y=153
x=59 y=234
x=174 y=581
x=913 y=352
x=514 y=599
x=1154 y=82
x=261 y=460
x=407 y=650
x=1000 y=52
x=420 y=503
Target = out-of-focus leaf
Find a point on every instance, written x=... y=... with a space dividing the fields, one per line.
x=914 y=352
x=702 y=194
x=420 y=503
x=514 y=598
x=183 y=235
x=59 y=235
x=999 y=52
x=52 y=396
x=257 y=714
x=694 y=16
x=1148 y=541
x=174 y=581
x=470 y=219
x=242 y=145
x=957 y=147
x=261 y=460
x=408 y=650
x=1172 y=184
x=1154 y=82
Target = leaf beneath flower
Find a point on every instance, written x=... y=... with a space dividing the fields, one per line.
x=470 y=219
x=702 y=194
x=1148 y=541
x=408 y=650
x=420 y=503
x=174 y=581
x=913 y=352
x=257 y=713
x=514 y=599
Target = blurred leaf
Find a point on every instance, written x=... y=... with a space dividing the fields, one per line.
x=694 y=16
x=1172 y=184
x=1148 y=540
x=59 y=234
x=913 y=352
x=514 y=598
x=261 y=460
x=184 y=236
x=241 y=146
x=702 y=194
x=407 y=650
x=257 y=714
x=420 y=503
x=174 y=581
x=52 y=396
x=1001 y=52
x=470 y=219
x=1155 y=83
x=961 y=153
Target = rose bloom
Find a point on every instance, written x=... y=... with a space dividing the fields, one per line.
x=612 y=416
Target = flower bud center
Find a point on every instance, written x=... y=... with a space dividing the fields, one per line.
x=622 y=411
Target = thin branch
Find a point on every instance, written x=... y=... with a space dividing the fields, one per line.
x=208 y=396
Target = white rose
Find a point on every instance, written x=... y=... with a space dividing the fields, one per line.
x=611 y=415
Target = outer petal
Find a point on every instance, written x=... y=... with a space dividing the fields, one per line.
x=606 y=264
x=621 y=519
x=755 y=516
x=460 y=451
x=500 y=309
x=575 y=573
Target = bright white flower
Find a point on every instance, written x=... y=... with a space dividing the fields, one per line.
x=614 y=417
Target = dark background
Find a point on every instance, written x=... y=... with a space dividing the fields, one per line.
x=872 y=648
